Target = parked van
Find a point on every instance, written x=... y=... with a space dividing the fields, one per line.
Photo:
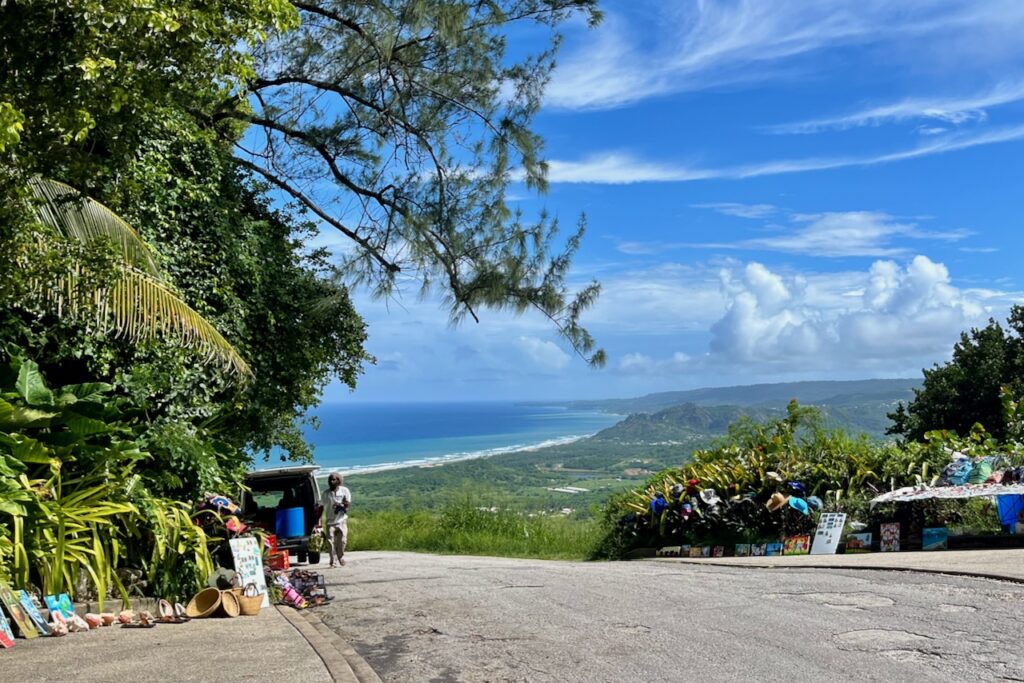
x=283 y=488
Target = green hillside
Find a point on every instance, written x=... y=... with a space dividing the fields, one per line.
x=771 y=395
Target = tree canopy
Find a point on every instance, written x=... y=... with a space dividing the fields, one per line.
x=229 y=132
x=969 y=388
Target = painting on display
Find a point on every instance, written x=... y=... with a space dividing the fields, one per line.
x=718 y=551
x=858 y=543
x=936 y=538
x=830 y=530
x=758 y=549
x=60 y=604
x=6 y=634
x=33 y=612
x=742 y=550
x=694 y=551
x=705 y=551
x=889 y=537
x=249 y=565
x=684 y=550
x=17 y=613
x=773 y=549
x=796 y=545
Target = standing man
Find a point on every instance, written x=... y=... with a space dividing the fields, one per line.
x=337 y=500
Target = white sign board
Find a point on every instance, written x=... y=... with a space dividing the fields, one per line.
x=249 y=566
x=830 y=530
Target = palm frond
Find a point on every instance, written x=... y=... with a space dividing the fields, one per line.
x=77 y=217
x=137 y=306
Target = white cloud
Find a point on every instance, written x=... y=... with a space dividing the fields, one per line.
x=642 y=364
x=898 y=317
x=543 y=354
x=739 y=210
x=950 y=110
x=696 y=45
x=833 y=234
x=619 y=168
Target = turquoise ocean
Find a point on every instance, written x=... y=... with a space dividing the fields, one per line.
x=356 y=437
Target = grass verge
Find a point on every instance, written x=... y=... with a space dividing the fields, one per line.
x=465 y=529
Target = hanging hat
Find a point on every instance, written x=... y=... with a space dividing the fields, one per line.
x=799 y=504
x=686 y=511
x=814 y=502
x=710 y=497
x=774 y=475
x=797 y=488
x=776 y=502
x=677 y=491
x=692 y=487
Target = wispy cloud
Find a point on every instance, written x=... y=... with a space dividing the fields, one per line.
x=835 y=234
x=697 y=45
x=622 y=168
x=950 y=110
x=739 y=210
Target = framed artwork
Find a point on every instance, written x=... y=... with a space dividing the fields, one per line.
x=684 y=551
x=60 y=604
x=828 y=533
x=890 y=537
x=33 y=612
x=758 y=549
x=17 y=612
x=796 y=545
x=858 y=543
x=6 y=634
x=773 y=549
x=249 y=565
x=705 y=551
x=695 y=551
x=936 y=538
x=742 y=550
x=718 y=551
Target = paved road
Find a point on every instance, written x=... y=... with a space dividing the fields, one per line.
x=440 y=619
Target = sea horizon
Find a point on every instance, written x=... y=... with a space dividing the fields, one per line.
x=363 y=437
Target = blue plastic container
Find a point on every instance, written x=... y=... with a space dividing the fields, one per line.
x=290 y=522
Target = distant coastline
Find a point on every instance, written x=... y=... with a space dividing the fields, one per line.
x=440 y=460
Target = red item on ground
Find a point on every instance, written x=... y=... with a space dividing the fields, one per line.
x=279 y=561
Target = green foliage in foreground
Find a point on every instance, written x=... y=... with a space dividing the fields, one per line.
x=465 y=528
x=75 y=504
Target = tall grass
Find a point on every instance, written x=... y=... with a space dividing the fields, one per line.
x=463 y=528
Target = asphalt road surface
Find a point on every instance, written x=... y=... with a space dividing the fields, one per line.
x=440 y=619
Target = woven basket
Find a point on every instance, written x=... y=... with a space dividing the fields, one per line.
x=228 y=605
x=203 y=604
x=250 y=605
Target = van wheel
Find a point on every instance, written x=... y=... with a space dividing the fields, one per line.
x=314 y=558
x=302 y=557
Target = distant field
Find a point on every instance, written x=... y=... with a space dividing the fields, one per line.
x=522 y=481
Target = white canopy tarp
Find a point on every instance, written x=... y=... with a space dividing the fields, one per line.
x=912 y=493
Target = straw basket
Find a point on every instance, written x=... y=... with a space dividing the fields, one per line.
x=203 y=604
x=228 y=605
x=250 y=601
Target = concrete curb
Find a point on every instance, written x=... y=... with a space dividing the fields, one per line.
x=865 y=567
x=342 y=661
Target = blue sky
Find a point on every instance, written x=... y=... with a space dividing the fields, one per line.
x=775 y=191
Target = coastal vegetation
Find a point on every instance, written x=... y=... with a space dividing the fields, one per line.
x=166 y=317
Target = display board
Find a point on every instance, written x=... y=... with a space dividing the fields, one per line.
x=17 y=612
x=830 y=530
x=249 y=565
x=890 y=537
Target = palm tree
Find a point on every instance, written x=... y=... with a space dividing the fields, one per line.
x=138 y=305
